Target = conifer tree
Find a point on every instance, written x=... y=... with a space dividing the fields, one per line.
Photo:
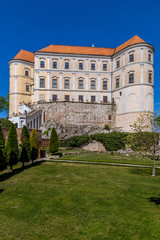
x=12 y=150
x=53 y=143
x=3 y=164
x=34 y=145
x=2 y=151
x=24 y=156
x=25 y=144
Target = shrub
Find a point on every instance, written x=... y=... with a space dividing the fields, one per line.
x=53 y=143
x=106 y=127
x=12 y=149
x=34 y=145
x=76 y=141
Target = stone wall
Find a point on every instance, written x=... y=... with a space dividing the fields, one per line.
x=75 y=118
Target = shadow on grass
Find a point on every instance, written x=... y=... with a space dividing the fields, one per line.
x=16 y=171
x=156 y=200
x=1 y=190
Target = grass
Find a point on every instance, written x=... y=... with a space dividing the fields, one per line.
x=74 y=202
x=105 y=157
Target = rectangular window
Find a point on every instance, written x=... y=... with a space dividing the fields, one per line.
x=54 y=64
x=66 y=65
x=150 y=77
x=105 y=99
x=93 y=66
x=80 y=98
x=80 y=84
x=118 y=64
x=41 y=97
x=117 y=83
x=42 y=82
x=54 y=83
x=67 y=98
x=104 y=67
x=93 y=84
x=66 y=85
x=149 y=57
x=27 y=88
x=26 y=72
x=131 y=78
x=42 y=64
x=131 y=58
x=104 y=85
x=80 y=66
x=93 y=99
x=54 y=98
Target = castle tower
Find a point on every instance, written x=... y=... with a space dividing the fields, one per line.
x=21 y=69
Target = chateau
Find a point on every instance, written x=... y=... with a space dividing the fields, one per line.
x=82 y=85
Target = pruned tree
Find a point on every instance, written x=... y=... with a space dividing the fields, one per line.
x=12 y=149
x=53 y=143
x=34 y=145
x=145 y=135
x=25 y=145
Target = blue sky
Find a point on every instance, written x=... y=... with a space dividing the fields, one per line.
x=34 y=24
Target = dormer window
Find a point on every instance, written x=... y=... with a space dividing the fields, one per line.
x=42 y=64
x=131 y=57
x=66 y=65
x=54 y=64
x=27 y=72
x=118 y=64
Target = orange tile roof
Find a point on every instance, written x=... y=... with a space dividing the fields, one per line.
x=29 y=56
x=79 y=50
x=130 y=42
x=25 y=55
x=91 y=50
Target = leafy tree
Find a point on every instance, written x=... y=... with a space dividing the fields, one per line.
x=25 y=144
x=53 y=143
x=5 y=123
x=2 y=151
x=34 y=145
x=12 y=149
x=24 y=156
x=4 y=103
x=2 y=141
x=145 y=136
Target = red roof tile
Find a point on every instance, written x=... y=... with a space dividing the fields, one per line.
x=25 y=55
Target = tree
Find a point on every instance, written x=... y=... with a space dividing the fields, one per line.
x=34 y=145
x=24 y=156
x=12 y=149
x=146 y=135
x=4 y=103
x=5 y=123
x=53 y=143
x=25 y=144
x=2 y=151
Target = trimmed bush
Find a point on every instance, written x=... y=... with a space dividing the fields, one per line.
x=2 y=141
x=25 y=143
x=12 y=149
x=34 y=145
x=53 y=143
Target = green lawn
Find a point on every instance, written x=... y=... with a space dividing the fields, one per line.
x=71 y=201
x=105 y=157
